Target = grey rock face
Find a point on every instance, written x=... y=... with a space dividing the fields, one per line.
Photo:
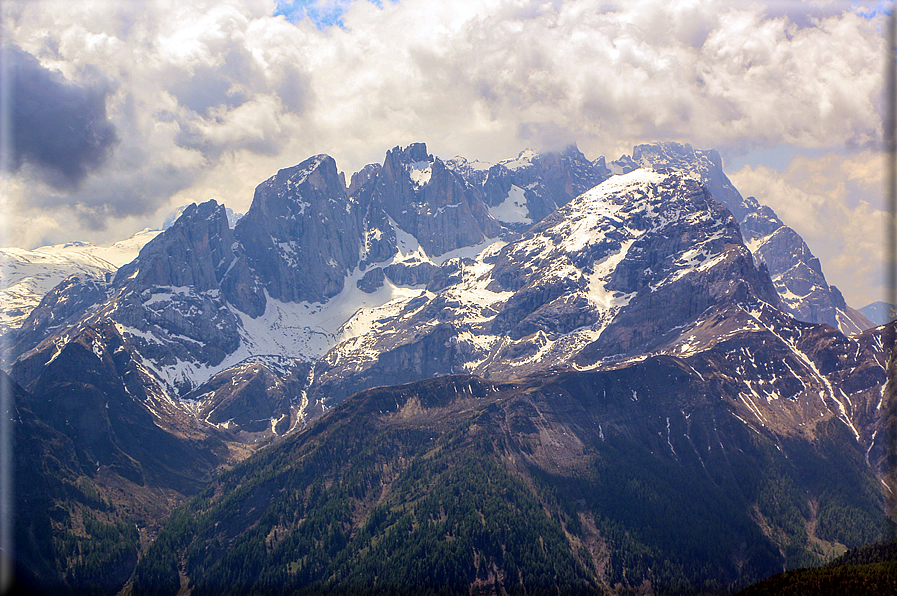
x=431 y=202
x=372 y=280
x=379 y=243
x=409 y=273
x=798 y=276
x=190 y=327
x=301 y=235
x=760 y=223
x=195 y=251
x=548 y=181
x=171 y=298
x=879 y=313
x=242 y=287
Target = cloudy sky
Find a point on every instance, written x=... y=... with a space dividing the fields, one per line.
x=117 y=112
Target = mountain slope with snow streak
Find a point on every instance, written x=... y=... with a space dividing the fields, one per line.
x=593 y=282
x=795 y=271
x=326 y=282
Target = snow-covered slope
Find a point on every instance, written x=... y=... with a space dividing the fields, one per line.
x=27 y=275
x=115 y=253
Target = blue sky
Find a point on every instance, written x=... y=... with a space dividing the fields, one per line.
x=322 y=13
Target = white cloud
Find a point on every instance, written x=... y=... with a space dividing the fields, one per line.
x=210 y=98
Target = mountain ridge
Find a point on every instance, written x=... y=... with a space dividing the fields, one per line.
x=203 y=297
x=219 y=341
x=596 y=450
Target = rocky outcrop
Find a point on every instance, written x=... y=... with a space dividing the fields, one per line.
x=545 y=181
x=411 y=273
x=430 y=201
x=796 y=272
x=372 y=280
x=253 y=397
x=301 y=235
x=194 y=252
x=61 y=307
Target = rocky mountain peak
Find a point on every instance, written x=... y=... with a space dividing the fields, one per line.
x=794 y=269
x=288 y=193
x=431 y=202
x=706 y=165
x=301 y=234
x=546 y=180
x=416 y=152
x=363 y=180
x=616 y=271
x=195 y=251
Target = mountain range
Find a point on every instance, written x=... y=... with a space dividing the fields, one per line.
x=584 y=334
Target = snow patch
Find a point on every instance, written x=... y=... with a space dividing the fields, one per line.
x=420 y=172
x=513 y=209
x=523 y=160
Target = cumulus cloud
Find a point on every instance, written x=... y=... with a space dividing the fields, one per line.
x=209 y=98
x=58 y=127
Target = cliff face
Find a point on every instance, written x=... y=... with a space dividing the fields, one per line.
x=301 y=236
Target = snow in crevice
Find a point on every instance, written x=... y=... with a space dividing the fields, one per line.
x=420 y=172
x=871 y=445
x=408 y=246
x=669 y=442
x=598 y=294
